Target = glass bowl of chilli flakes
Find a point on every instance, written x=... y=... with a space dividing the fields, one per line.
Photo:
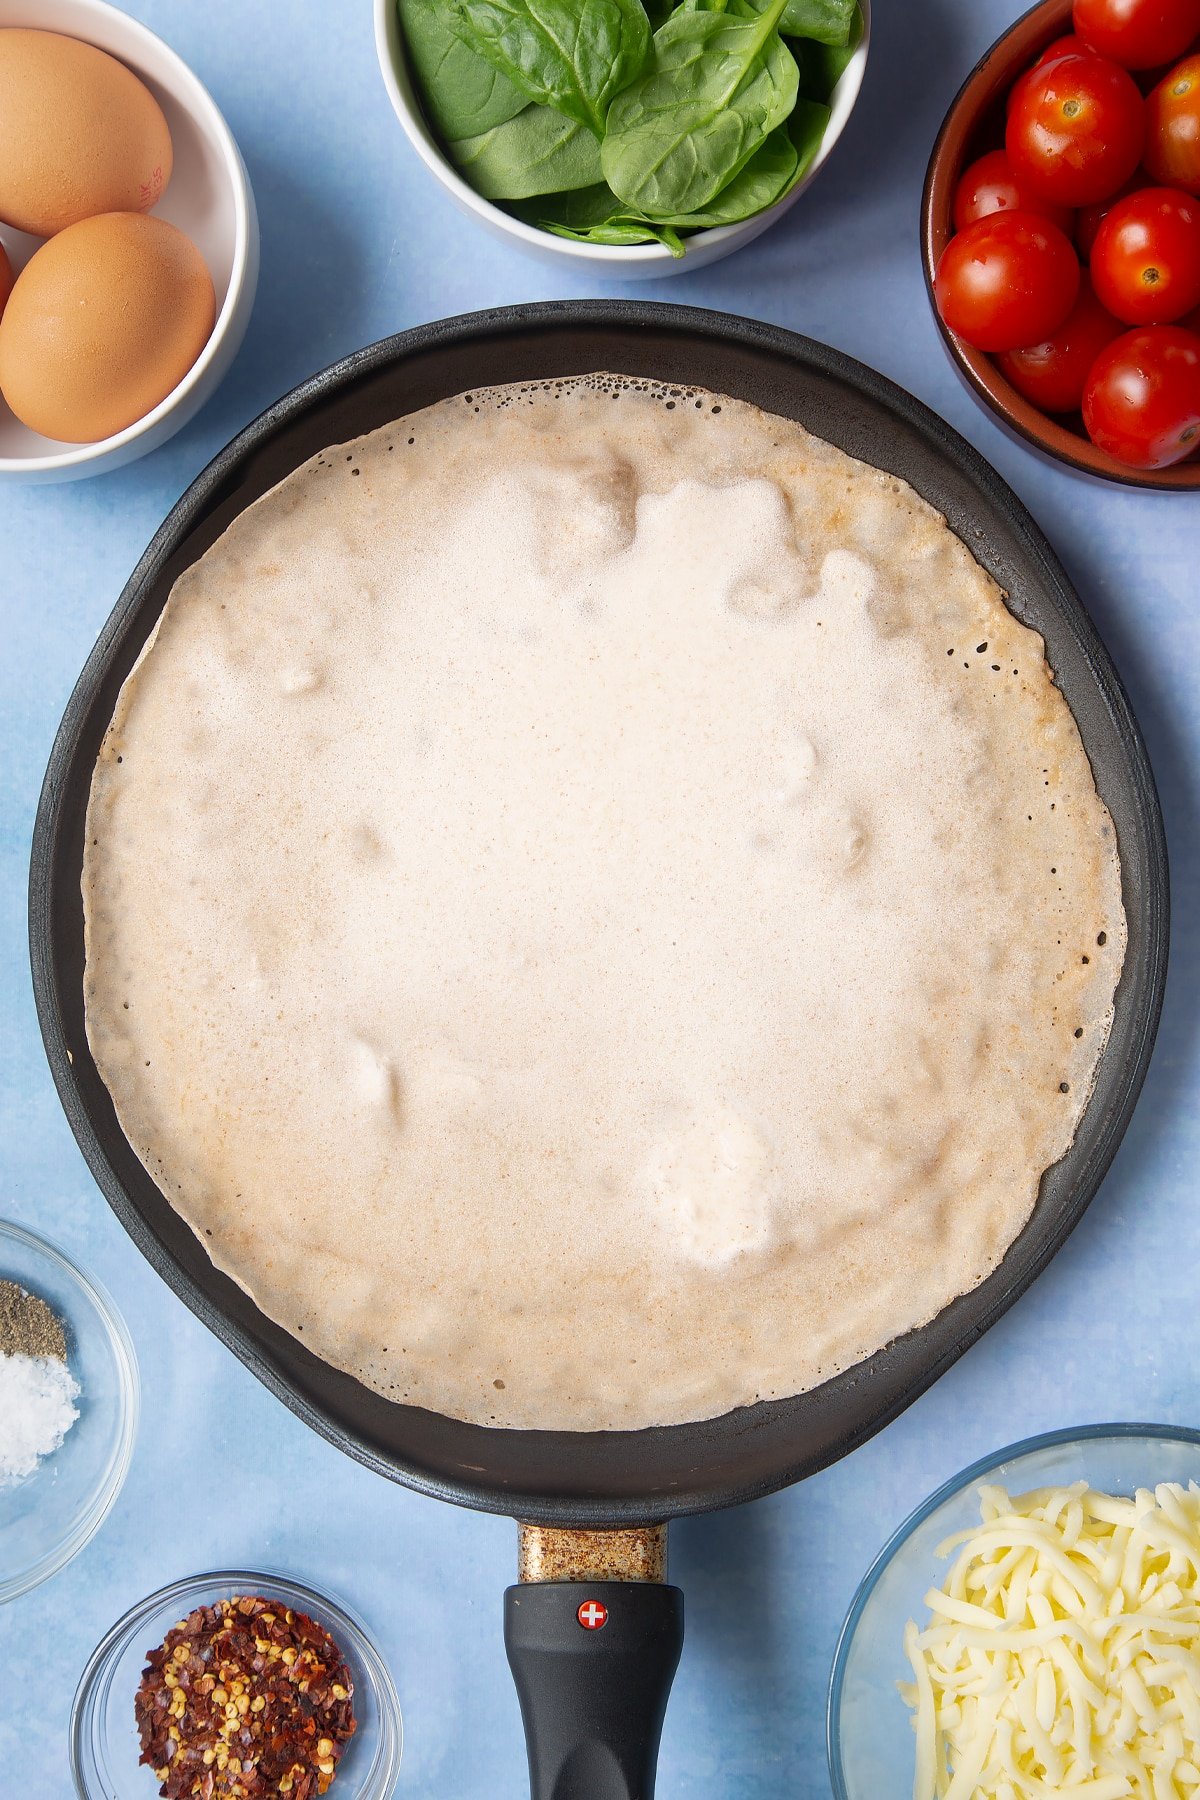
x=202 y=1689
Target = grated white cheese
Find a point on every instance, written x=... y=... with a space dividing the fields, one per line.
x=1062 y=1655
x=37 y=1409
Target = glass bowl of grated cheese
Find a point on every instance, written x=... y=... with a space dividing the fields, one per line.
x=68 y=1408
x=1032 y=1629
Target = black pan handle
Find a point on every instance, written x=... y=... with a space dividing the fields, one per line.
x=593 y=1662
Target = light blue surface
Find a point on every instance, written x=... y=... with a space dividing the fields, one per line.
x=358 y=242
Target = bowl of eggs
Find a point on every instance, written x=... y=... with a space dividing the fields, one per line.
x=128 y=240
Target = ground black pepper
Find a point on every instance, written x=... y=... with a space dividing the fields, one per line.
x=28 y=1327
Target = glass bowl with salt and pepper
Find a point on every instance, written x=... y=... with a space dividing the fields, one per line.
x=68 y=1408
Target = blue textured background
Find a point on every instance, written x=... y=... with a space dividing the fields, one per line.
x=357 y=242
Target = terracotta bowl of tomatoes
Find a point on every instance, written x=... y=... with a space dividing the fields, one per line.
x=1061 y=235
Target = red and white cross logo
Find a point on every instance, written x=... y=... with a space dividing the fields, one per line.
x=592 y=1615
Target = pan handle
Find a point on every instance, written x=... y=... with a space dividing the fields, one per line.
x=593 y=1662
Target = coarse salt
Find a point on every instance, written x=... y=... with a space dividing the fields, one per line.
x=37 y=1409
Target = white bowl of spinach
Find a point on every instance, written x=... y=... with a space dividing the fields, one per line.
x=651 y=136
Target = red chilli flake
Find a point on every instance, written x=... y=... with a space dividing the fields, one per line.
x=243 y=1700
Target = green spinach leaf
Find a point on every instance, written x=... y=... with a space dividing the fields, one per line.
x=767 y=175
x=773 y=171
x=806 y=128
x=538 y=152
x=594 y=215
x=623 y=232
x=570 y=54
x=822 y=66
x=834 y=58
x=583 y=207
x=717 y=86
x=826 y=21
x=461 y=92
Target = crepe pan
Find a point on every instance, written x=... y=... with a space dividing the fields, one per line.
x=595 y=1632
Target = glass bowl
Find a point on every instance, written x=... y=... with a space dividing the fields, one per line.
x=870 y=1739
x=104 y=1739
x=47 y=1518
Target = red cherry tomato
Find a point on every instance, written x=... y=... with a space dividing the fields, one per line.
x=1139 y=34
x=1142 y=399
x=1009 y=279
x=1053 y=375
x=1062 y=46
x=989 y=186
x=1076 y=128
x=1070 y=45
x=1089 y=218
x=1173 y=127
x=1146 y=257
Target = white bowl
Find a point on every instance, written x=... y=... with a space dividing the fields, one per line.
x=619 y=262
x=208 y=197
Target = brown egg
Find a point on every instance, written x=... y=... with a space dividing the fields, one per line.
x=102 y=323
x=6 y=278
x=79 y=134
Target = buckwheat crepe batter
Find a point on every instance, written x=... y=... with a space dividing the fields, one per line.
x=596 y=912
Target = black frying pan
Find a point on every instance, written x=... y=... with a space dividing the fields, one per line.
x=588 y=1738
